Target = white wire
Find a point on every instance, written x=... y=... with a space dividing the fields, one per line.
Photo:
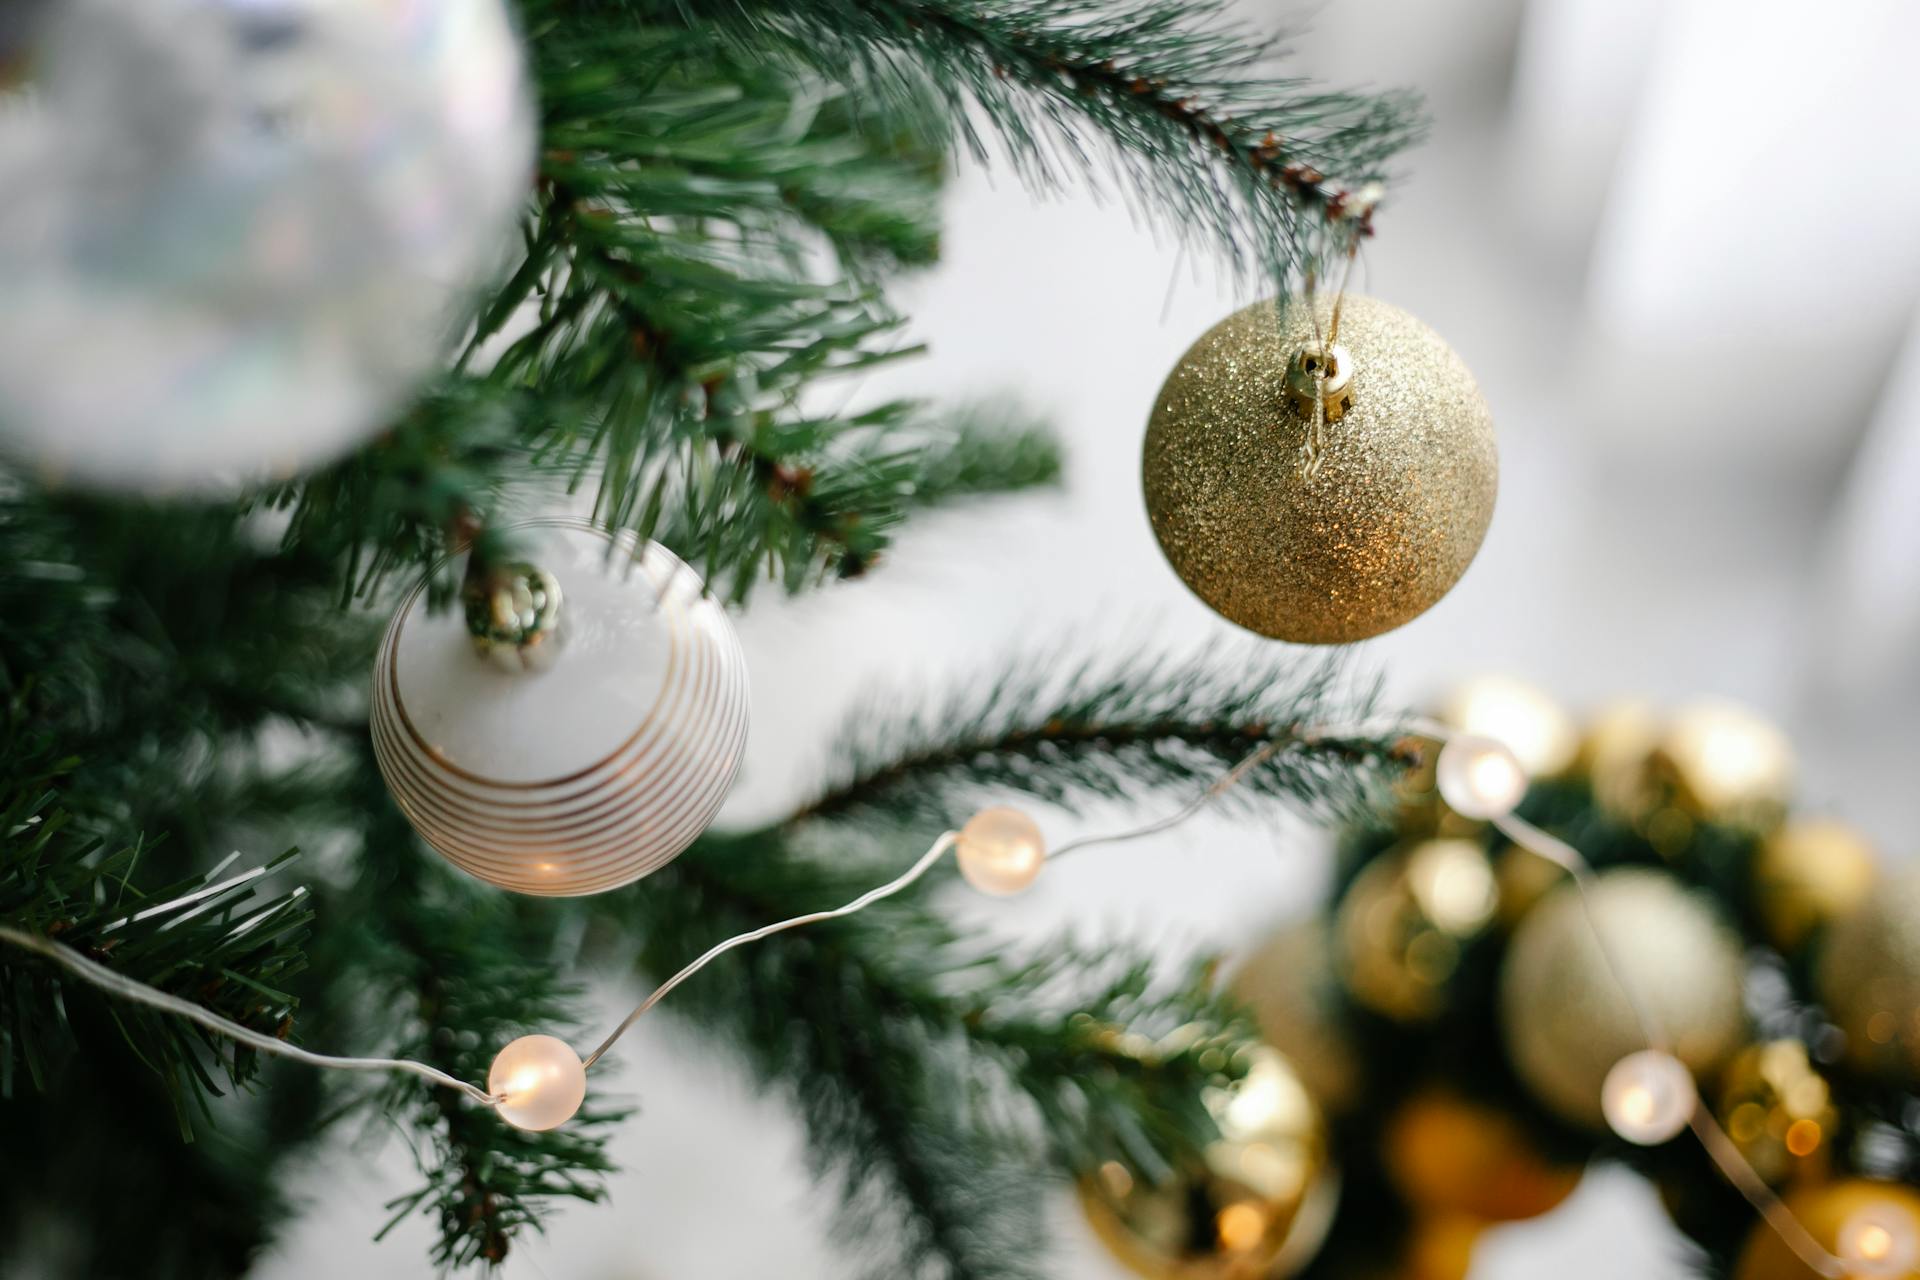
x=861 y=903
x=1721 y=1149
x=126 y=988
x=1226 y=782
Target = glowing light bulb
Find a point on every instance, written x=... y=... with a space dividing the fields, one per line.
x=1000 y=851
x=1479 y=777
x=540 y=1082
x=1241 y=1227
x=1879 y=1242
x=1648 y=1097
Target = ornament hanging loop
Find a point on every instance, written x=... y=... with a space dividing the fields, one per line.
x=513 y=613
x=1320 y=381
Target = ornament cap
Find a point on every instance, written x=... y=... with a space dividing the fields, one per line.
x=513 y=614
x=1321 y=372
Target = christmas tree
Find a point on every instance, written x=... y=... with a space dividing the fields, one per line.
x=417 y=309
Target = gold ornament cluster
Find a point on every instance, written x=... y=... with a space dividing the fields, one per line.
x=1446 y=944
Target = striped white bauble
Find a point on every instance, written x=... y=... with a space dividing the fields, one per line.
x=592 y=772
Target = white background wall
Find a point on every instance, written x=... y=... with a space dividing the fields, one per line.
x=1677 y=243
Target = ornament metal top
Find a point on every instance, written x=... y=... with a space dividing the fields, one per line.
x=581 y=749
x=1320 y=491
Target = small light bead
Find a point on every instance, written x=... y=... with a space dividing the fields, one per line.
x=1479 y=777
x=540 y=1083
x=1648 y=1097
x=1881 y=1240
x=1000 y=851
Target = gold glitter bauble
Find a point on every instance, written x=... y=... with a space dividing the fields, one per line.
x=1404 y=921
x=1254 y=1206
x=1449 y=1157
x=1565 y=1018
x=1290 y=987
x=1869 y=979
x=1807 y=875
x=1719 y=762
x=1367 y=539
x=1823 y=1210
x=1777 y=1110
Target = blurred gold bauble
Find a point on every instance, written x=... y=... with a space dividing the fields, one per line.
x=1823 y=1210
x=1564 y=1016
x=1333 y=547
x=1526 y=719
x=1290 y=987
x=1719 y=762
x=1403 y=923
x=1613 y=754
x=1869 y=978
x=1441 y=1248
x=1541 y=735
x=1778 y=1110
x=1451 y=1157
x=1807 y=875
x=1524 y=878
x=1416 y=792
x=1255 y=1206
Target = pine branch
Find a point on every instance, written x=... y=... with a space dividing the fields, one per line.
x=206 y=938
x=700 y=440
x=143 y=636
x=672 y=308
x=1154 y=1046
x=448 y=973
x=824 y=499
x=142 y=633
x=1108 y=730
x=726 y=190
x=389 y=508
x=104 y=1188
x=1016 y=1072
x=942 y=1085
x=872 y=1075
x=707 y=248
x=1174 y=97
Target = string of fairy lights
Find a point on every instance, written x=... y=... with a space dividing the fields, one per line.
x=539 y=1082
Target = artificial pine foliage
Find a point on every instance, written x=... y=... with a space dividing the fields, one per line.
x=725 y=191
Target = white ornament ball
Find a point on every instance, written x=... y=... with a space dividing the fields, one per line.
x=237 y=234
x=539 y=1081
x=1000 y=851
x=592 y=771
x=1648 y=1097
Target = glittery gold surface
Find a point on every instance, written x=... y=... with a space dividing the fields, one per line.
x=1869 y=978
x=1381 y=531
